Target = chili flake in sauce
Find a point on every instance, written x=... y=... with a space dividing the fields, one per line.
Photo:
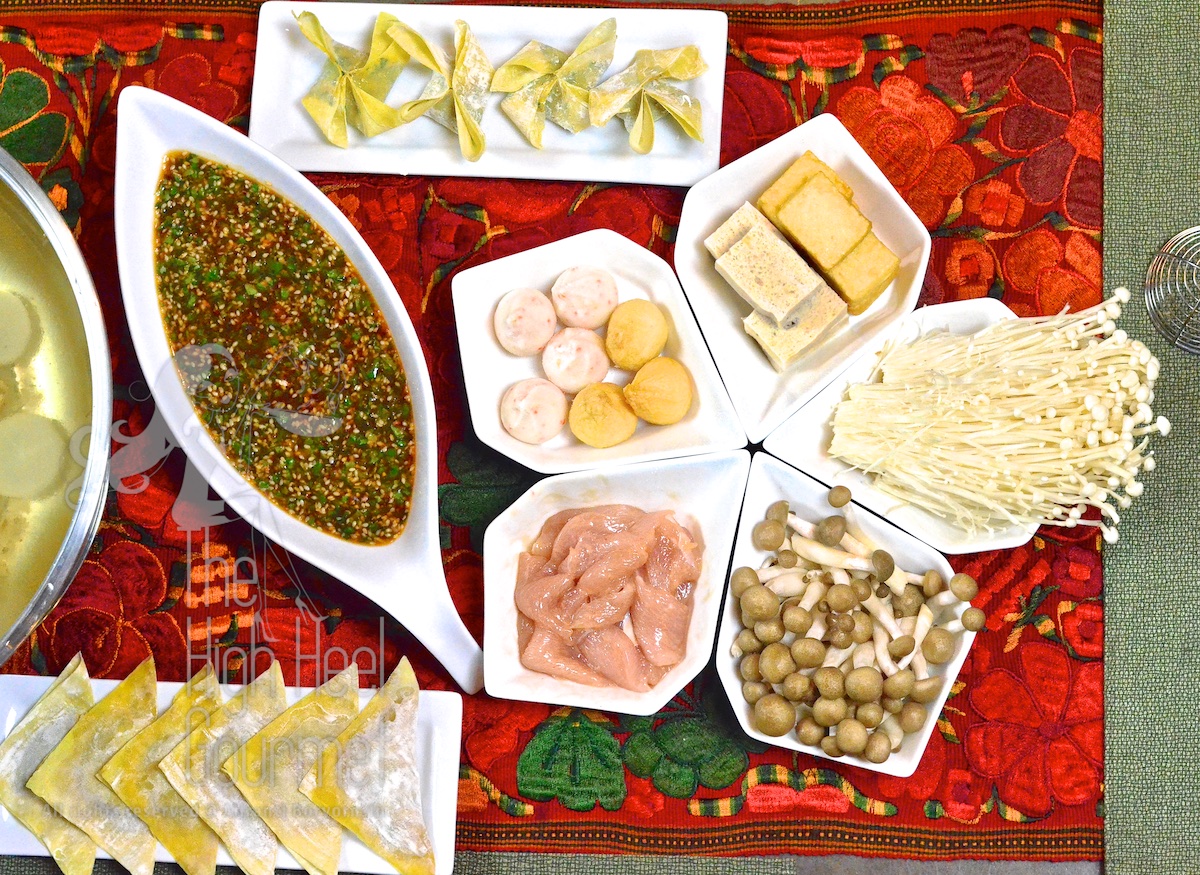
x=288 y=361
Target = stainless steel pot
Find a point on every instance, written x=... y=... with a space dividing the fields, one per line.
x=33 y=230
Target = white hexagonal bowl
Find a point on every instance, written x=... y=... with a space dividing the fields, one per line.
x=488 y=370
x=705 y=491
x=771 y=480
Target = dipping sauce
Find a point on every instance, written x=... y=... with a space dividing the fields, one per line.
x=287 y=359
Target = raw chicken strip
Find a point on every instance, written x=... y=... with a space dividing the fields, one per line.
x=550 y=654
x=610 y=651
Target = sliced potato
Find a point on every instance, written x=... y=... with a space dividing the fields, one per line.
x=18 y=331
x=33 y=452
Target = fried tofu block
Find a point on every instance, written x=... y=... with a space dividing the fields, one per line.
x=735 y=227
x=801 y=171
x=864 y=273
x=768 y=274
x=783 y=346
x=822 y=223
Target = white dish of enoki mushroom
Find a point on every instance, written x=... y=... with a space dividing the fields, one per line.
x=841 y=635
x=970 y=428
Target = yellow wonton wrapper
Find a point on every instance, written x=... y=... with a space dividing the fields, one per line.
x=134 y=776
x=545 y=83
x=456 y=93
x=194 y=770
x=269 y=768
x=354 y=84
x=639 y=95
x=39 y=732
x=67 y=778
x=368 y=781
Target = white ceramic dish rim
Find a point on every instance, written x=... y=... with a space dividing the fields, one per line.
x=803 y=440
x=506 y=678
x=488 y=369
x=737 y=356
x=152 y=125
x=439 y=733
x=288 y=65
x=765 y=469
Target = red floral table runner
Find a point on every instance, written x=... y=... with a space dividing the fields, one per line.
x=985 y=115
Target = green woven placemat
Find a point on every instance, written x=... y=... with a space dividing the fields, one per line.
x=1152 y=659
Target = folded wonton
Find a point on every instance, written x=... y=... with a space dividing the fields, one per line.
x=194 y=769
x=368 y=780
x=456 y=93
x=134 y=776
x=67 y=777
x=270 y=766
x=353 y=84
x=39 y=732
x=545 y=83
x=639 y=94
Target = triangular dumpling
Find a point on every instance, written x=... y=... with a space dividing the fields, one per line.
x=194 y=770
x=67 y=778
x=38 y=733
x=269 y=768
x=134 y=776
x=368 y=780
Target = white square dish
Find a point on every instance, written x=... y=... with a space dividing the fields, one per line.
x=287 y=65
x=488 y=370
x=803 y=441
x=771 y=480
x=704 y=490
x=439 y=733
x=764 y=397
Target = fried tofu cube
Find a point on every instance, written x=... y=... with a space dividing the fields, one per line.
x=735 y=227
x=864 y=273
x=784 y=346
x=801 y=171
x=822 y=223
x=768 y=274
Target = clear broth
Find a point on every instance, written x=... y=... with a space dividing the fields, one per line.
x=55 y=383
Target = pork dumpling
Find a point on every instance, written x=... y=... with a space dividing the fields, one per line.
x=584 y=297
x=575 y=358
x=270 y=766
x=39 y=732
x=67 y=777
x=134 y=776
x=368 y=780
x=524 y=321
x=194 y=769
x=533 y=410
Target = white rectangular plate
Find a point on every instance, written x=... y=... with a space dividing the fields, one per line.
x=287 y=65
x=804 y=439
x=439 y=732
x=711 y=424
x=770 y=481
x=763 y=397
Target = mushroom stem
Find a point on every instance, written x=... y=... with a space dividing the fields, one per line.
x=921 y=628
x=886 y=664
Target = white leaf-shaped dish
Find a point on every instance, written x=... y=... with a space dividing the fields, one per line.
x=763 y=397
x=404 y=578
x=710 y=426
x=770 y=480
x=705 y=492
x=804 y=439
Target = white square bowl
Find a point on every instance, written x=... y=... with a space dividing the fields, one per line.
x=764 y=398
x=705 y=492
x=488 y=370
x=804 y=439
x=771 y=480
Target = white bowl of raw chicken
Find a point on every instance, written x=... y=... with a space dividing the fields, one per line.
x=705 y=494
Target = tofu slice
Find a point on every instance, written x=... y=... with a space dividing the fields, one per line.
x=735 y=228
x=801 y=171
x=769 y=275
x=784 y=346
x=823 y=223
x=864 y=273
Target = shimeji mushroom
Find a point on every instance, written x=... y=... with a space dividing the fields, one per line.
x=1029 y=421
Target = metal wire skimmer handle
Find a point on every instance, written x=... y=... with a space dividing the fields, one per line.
x=1173 y=290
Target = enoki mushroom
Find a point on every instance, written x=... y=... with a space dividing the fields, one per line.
x=1029 y=421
